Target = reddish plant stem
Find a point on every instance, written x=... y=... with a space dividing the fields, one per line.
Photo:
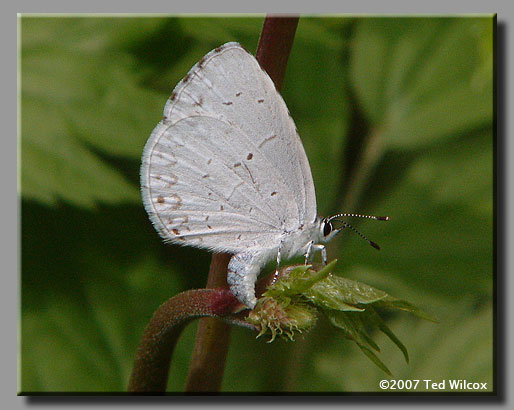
x=213 y=336
x=212 y=339
x=153 y=356
x=275 y=45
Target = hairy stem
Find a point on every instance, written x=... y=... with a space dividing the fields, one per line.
x=153 y=356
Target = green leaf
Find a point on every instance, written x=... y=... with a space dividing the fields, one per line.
x=458 y=172
x=420 y=80
x=120 y=121
x=62 y=348
x=374 y=358
x=56 y=166
x=352 y=326
x=77 y=95
x=337 y=291
x=349 y=306
x=86 y=34
x=390 y=302
x=379 y=322
x=460 y=347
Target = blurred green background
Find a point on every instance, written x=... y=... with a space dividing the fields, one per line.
x=396 y=115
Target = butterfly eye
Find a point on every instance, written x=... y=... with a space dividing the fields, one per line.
x=327 y=228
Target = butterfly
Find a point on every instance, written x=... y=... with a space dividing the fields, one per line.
x=225 y=170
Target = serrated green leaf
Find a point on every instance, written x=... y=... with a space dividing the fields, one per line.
x=328 y=301
x=85 y=340
x=124 y=113
x=65 y=331
x=438 y=243
x=354 y=324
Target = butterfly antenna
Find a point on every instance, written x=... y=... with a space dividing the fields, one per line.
x=346 y=224
x=376 y=218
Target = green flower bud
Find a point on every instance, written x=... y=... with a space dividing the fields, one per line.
x=280 y=317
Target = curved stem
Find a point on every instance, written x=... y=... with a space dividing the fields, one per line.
x=153 y=356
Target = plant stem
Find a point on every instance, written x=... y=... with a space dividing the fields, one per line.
x=275 y=45
x=153 y=356
x=213 y=336
x=212 y=339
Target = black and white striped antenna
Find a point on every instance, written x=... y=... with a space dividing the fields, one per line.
x=346 y=224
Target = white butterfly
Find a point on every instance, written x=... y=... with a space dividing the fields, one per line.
x=225 y=170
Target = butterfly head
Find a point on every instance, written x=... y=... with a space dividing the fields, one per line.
x=328 y=229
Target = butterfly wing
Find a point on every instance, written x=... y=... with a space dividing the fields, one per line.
x=225 y=168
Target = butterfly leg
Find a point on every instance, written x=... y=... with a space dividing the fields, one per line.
x=279 y=257
x=319 y=247
x=323 y=254
x=308 y=254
